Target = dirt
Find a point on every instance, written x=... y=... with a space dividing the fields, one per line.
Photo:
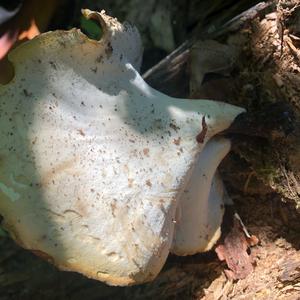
x=275 y=275
x=272 y=77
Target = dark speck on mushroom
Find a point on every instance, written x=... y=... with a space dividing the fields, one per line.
x=174 y=127
x=81 y=132
x=177 y=141
x=108 y=50
x=94 y=69
x=146 y=152
x=201 y=136
x=148 y=183
x=52 y=64
x=26 y=93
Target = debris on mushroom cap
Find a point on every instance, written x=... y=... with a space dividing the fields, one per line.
x=93 y=160
x=201 y=204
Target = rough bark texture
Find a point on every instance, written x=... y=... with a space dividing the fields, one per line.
x=261 y=67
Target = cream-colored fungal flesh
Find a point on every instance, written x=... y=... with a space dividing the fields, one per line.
x=93 y=161
x=201 y=205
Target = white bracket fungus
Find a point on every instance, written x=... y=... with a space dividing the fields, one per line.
x=94 y=163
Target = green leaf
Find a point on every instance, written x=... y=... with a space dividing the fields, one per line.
x=3 y=233
x=90 y=28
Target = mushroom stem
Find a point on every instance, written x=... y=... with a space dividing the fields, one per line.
x=201 y=204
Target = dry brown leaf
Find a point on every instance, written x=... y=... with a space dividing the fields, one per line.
x=234 y=251
x=32 y=19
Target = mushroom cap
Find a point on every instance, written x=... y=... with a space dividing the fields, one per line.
x=92 y=159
